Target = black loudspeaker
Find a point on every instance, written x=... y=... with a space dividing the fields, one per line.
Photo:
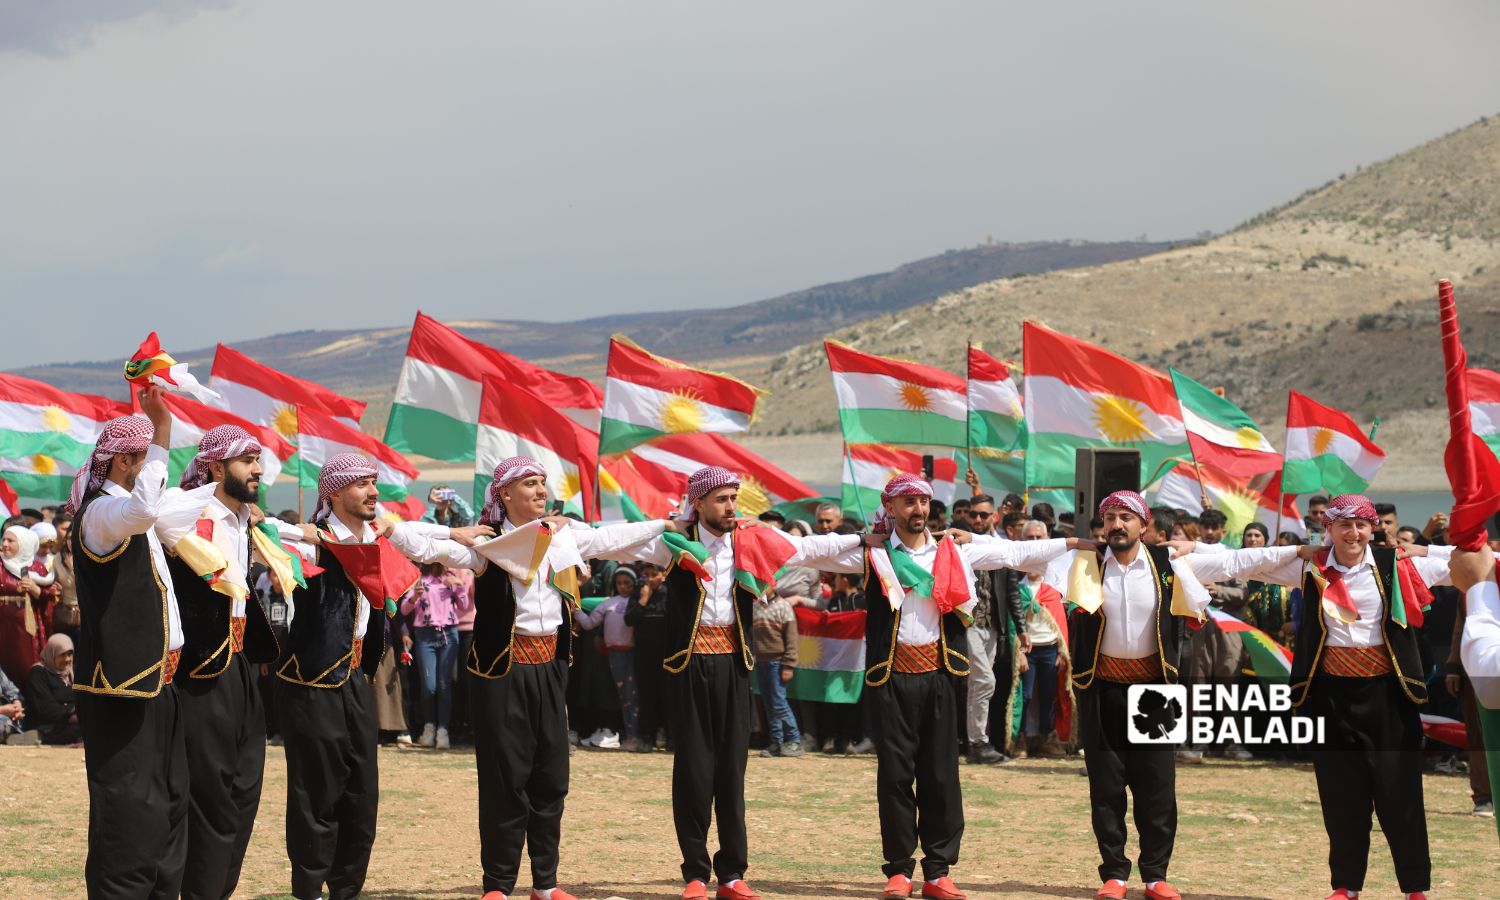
x=1100 y=472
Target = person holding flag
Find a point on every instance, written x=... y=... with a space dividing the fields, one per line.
x=918 y=605
x=1357 y=666
x=130 y=640
x=525 y=589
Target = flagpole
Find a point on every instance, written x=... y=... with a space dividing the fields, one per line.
x=859 y=503
x=301 y=462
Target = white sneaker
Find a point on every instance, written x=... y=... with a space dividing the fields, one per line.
x=610 y=741
x=427 y=738
x=442 y=739
x=403 y=738
x=593 y=739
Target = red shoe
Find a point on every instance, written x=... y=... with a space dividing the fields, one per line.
x=494 y=895
x=740 y=890
x=1416 y=895
x=1162 y=891
x=1113 y=889
x=944 y=889
x=1343 y=894
x=898 y=888
x=557 y=894
x=695 y=890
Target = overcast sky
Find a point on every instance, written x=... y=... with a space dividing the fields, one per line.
x=226 y=171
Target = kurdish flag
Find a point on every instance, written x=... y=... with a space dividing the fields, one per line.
x=515 y=422
x=830 y=656
x=1484 y=406
x=1241 y=501
x=321 y=436
x=625 y=496
x=10 y=504
x=997 y=426
x=667 y=463
x=47 y=433
x=191 y=419
x=1081 y=395
x=270 y=397
x=892 y=401
x=1325 y=450
x=647 y=397
x=153 y=365
x=1269 y=660
x=1220 y=434
x=869 y=466
x=436 y=408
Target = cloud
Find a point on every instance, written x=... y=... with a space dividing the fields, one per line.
x=59 y=28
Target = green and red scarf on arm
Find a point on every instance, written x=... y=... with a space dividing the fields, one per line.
x=948 y=582
x=760 y=552
x=380 y=571
x=1408 y=605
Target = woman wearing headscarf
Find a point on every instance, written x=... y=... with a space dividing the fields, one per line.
x=22 y=602
x=50 y=706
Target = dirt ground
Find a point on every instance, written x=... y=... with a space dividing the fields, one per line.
x=1246 y=830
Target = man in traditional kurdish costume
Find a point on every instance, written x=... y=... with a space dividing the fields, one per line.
x=129 y=642
x=519 y=663
x=710 y=660
x=914 y=650
x=225 y=640
x=1358 y=667
x=1125 y=630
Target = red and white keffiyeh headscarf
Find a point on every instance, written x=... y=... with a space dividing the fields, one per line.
x=127 y=434
x=704 y=482
x=1130 y=501
x=1349 y=506
x=902 y=485
x=340 y=471
x=507 y=471
x=218 y=444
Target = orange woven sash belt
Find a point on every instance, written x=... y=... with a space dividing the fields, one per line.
x=914 y=659
x=236 y=634
x=1354 y=662
x=714 y=639
x=530 y=650
x=169 y=669
x=1130 y=671
x=359 y=653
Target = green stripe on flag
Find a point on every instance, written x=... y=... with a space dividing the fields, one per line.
x=412 y=429
x=1210 y=405
x=1051 y=458
x=617 y=436
x=896 y=426
x=825 y=686
x=994 y=430
x=39 y=487
x=998 y=474
x=14 y=444
x=1322 y=474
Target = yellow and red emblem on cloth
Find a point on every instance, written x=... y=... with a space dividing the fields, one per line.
x=713 y=639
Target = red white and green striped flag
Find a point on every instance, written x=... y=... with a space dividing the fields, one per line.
x=320 y=437
x=1484 y=406
x=191 y=419
x=869 y=467
x=515 y=422
x=830 y=656
x=1081 y=395
x=1241 y=501
x=436 y=408
x=47 y=433
x=892 y=401
x=647 y=397
x=997 y=426
x=1269 y=660
x=270 y=397
x=1325 y=450
x=1220 y=434
x=667 y=464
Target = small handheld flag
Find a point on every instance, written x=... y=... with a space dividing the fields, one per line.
x=152 y=365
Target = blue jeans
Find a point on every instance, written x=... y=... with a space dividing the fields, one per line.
x=622 y=667
x=1039 y=685
x=779 y=716
x=434 y=650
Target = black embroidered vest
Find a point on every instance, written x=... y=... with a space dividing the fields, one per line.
x=205 y=625
x=1086 y=629
x=495 y=625
x=320 y=641
x=123 y=635
x=1400 y=643
x=883 y=623
x=685 y=596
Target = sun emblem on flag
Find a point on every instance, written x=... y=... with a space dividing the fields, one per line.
x=915 y=397
x=681 y=413
x=1322 y=441
x=1120 y=420
x=43 y=464
x=284 y=420
x=1248 y=436
x=754 y=499
x=572 y=485
x=809 y=650
x=55 y=419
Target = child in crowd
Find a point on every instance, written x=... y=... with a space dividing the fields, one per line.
x=774 y=631
x=619 y=642
x=435 y=604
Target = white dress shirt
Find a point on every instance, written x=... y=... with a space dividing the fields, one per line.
x=179 y=515
x=1129 y=607
x=920 y=621
x=540 y=609
x=1282 y=565
x=718 y=595
x=118 y=515
x=1480 y=649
